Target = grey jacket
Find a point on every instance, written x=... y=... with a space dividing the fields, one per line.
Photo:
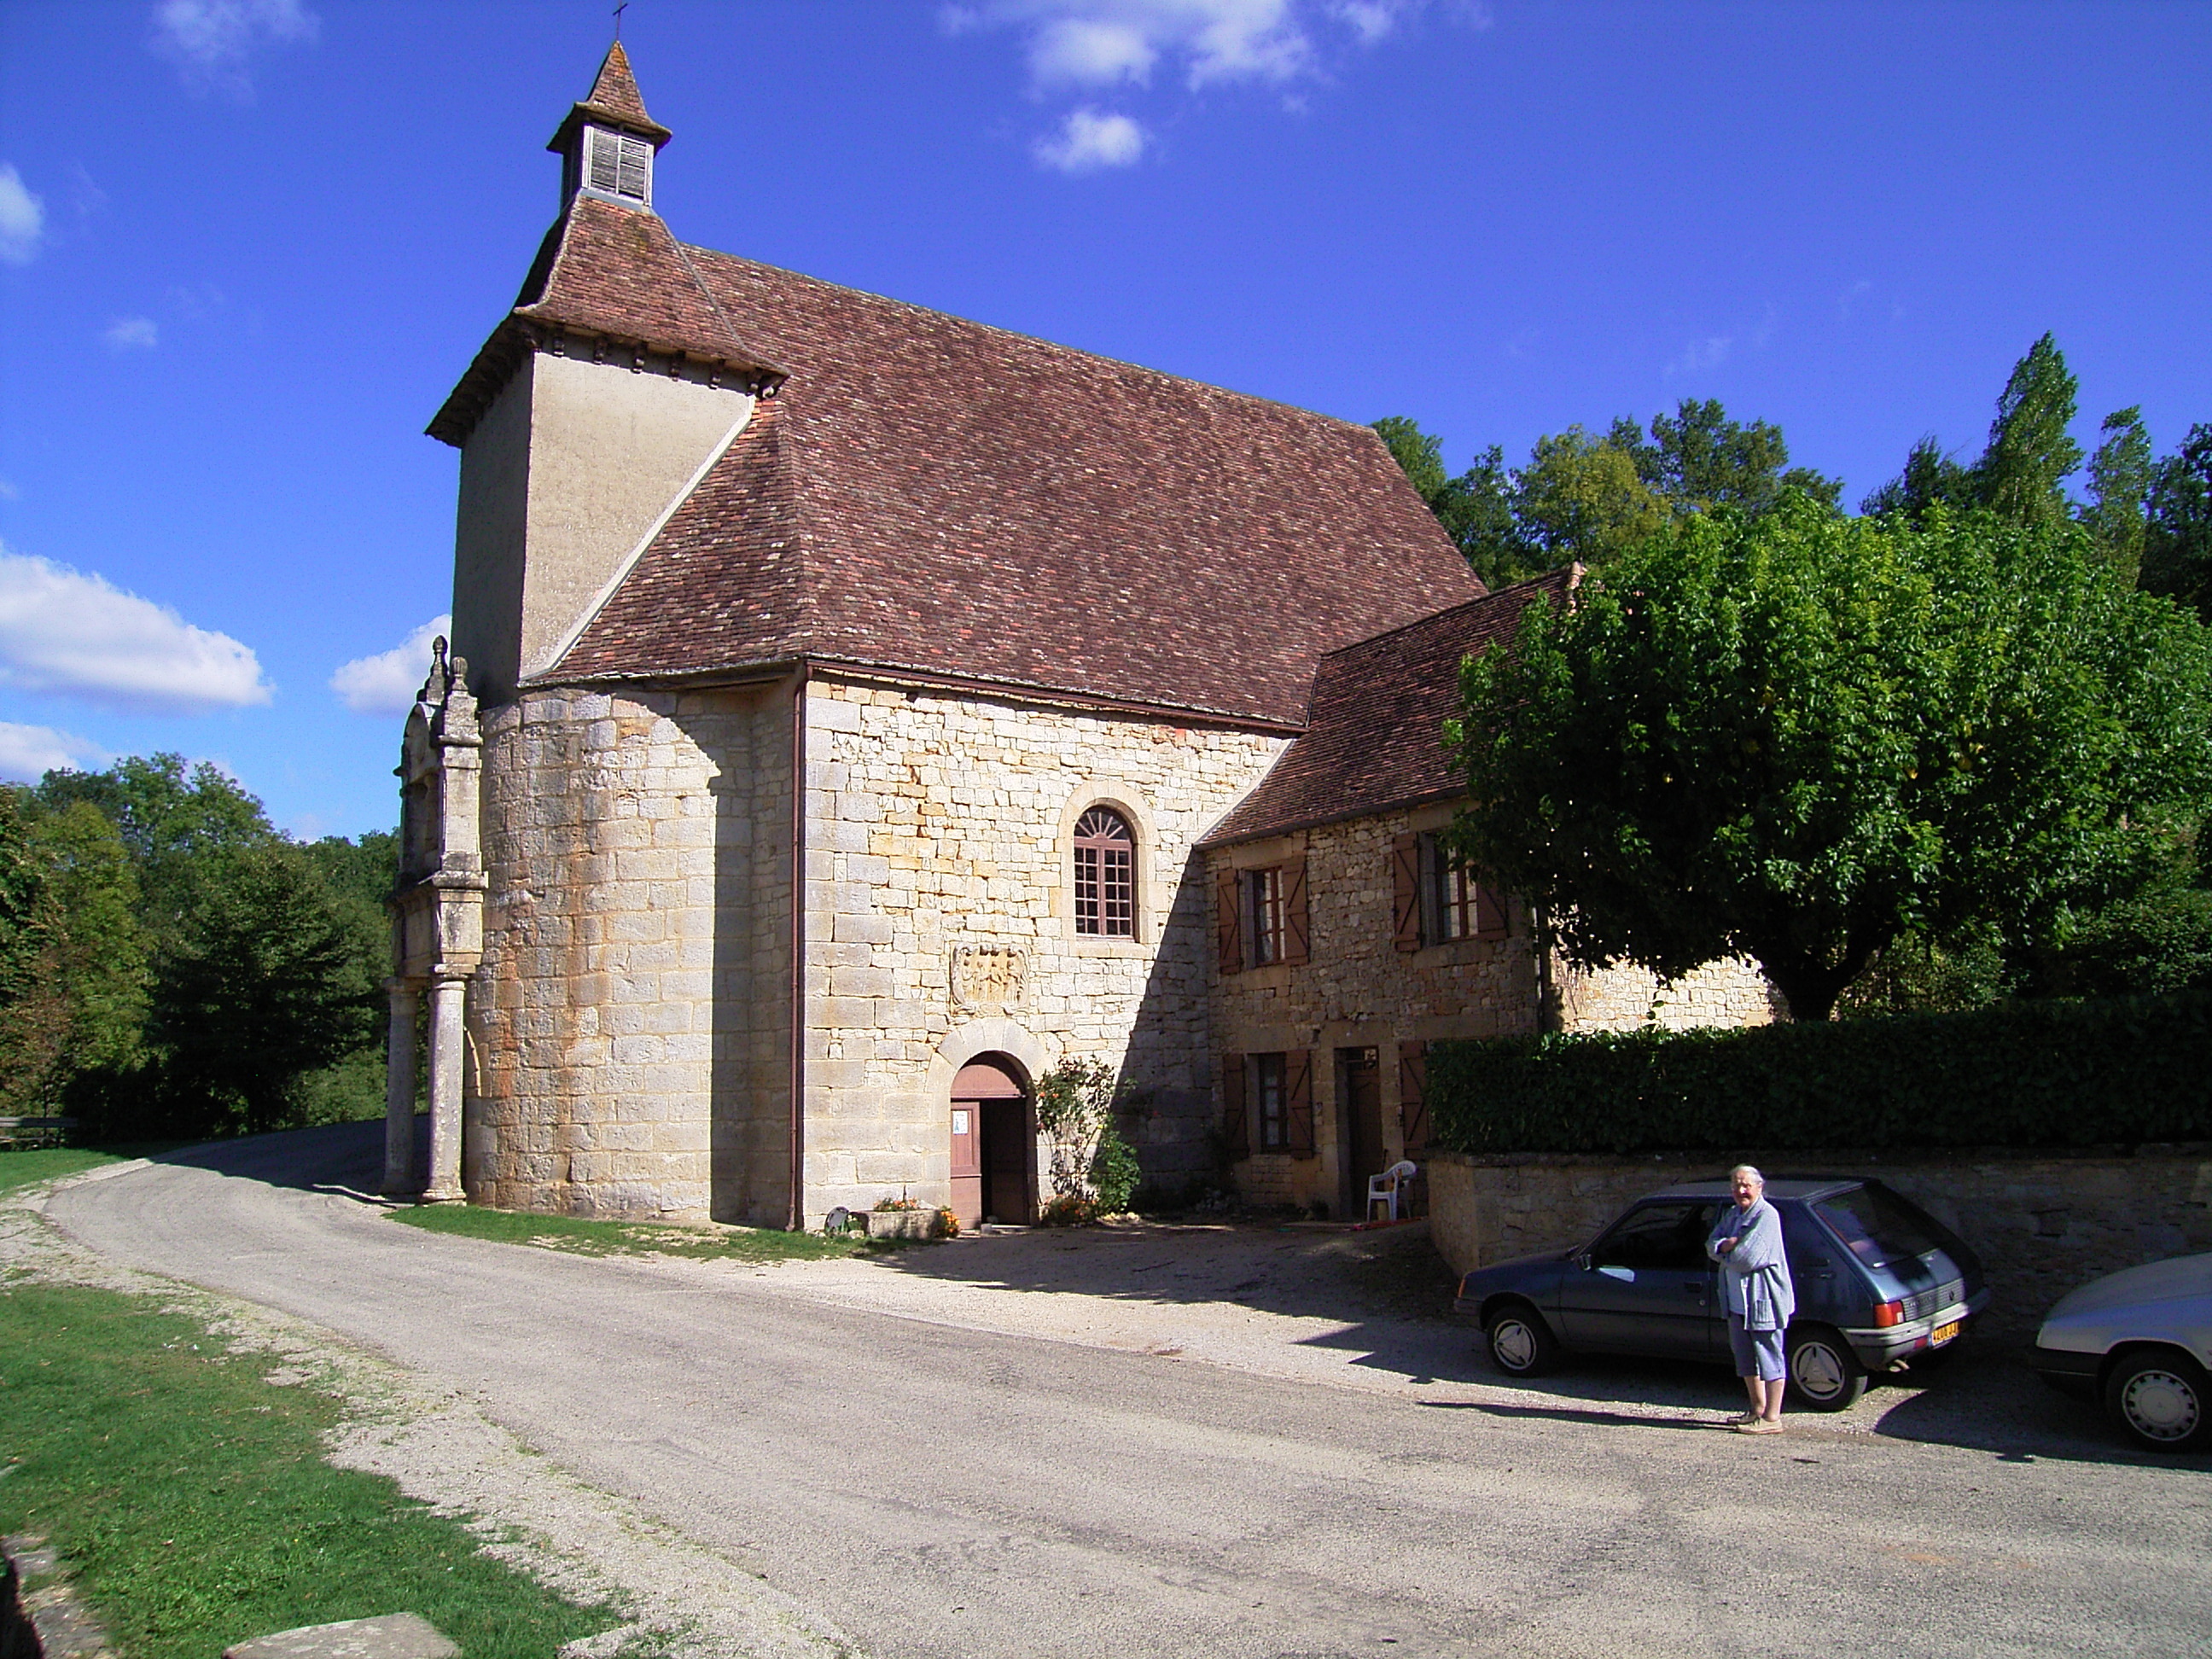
x=1755 y=1275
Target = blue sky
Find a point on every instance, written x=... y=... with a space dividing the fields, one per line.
x=247 y=245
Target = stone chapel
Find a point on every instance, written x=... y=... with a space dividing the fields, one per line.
x=852 y=710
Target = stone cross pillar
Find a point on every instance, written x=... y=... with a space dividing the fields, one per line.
x=399 y=1177
x=448 y=1036
x=437 y=915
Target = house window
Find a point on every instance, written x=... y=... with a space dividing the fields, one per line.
x=1435 y=899
x=1263 y=906
x=618 y=165
x=1260 y=917
x=1273 y=1101
x=1105 y=875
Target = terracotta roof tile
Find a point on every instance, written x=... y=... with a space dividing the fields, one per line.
x=1375 y=737
x=614 y=102
x=955 y=500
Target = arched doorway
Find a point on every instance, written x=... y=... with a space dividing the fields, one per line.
x=993 y=1145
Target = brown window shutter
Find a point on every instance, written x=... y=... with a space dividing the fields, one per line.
x=1297 y=1101
x=1235 y=1123
x=1229 y=920
x=1406 y=892
x=1297 y=932
x=1412 y=1095
x=1489 y=912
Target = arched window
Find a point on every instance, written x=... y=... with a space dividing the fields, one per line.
x=1105 y=875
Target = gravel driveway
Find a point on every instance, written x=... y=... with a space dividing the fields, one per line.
x=1211 y=1442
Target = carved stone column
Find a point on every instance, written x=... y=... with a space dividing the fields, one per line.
x=448 y=1036
x=400 y=1180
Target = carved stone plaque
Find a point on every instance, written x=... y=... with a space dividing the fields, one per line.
x=989 y=979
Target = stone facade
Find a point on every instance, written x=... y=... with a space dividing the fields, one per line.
x=630 y=1024
x=1357 y=991
x=940 y=825
x=2041 y=1223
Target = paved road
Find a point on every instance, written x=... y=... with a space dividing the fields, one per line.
x=939 y=1492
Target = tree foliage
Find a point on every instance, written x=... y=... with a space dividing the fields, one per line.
x=1590 y=497
x=170 y=965
x=1796 y=737
x=2177 y=549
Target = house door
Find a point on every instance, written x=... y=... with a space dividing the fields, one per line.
x=993 y=1147
x=1362 y=1145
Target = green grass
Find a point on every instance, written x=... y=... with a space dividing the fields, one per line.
x=22 y=1166
x=583 y=1236
x=192 y=1501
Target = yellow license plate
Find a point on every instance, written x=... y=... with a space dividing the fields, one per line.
x=1942 y=1333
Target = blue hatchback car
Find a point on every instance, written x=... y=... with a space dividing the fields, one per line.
x=1880 y=1282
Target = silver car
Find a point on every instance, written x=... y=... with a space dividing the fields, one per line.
x=2140 y=1339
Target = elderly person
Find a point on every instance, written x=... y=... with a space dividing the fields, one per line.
x=1747 y=1241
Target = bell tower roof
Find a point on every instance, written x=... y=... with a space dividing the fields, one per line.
x=614 y=103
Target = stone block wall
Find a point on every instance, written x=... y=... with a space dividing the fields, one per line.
x=936 y=823
x=1359 y=990
x=628 y=1028
x=2042 y=1223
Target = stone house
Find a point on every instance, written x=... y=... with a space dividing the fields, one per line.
x=851 y=709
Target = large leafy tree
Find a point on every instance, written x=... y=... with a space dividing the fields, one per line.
x=1796 y=737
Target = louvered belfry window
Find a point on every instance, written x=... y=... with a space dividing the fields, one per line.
x=1105 y=875
x=621 y=165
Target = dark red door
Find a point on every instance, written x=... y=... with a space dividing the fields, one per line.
x=991 y=1145
x=968 y=1161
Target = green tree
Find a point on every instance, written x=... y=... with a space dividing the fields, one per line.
x=1585 y=497
x=263 y=985
x=33 y=1009
x=1699 y=460
x=1794 y=738
x=2176 y=552
x=2120 y=474
x=2021 y=475
x=105 y=973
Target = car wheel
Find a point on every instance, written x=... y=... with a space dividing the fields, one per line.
x=1823 y=1370
x=2162 y=1399
x=1521 y=1344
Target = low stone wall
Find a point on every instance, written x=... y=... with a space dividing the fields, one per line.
x=2042 y=1223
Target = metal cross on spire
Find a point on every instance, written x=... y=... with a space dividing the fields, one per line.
x=619 y=10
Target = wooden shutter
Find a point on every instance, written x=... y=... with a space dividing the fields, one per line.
x=1235 y=1123
x=1406 y=892
x=1297 y=1101
x=1296 y=944
x=1489 y=912
x=1412 y=1095
x=1228 y=919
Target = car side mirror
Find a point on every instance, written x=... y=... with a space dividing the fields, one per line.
x=1583 y=1261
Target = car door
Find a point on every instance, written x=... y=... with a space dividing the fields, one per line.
x=1646 y=1286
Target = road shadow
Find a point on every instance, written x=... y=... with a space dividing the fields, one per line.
x=345 y=1159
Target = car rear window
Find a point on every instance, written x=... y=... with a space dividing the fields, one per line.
x=1878 y=1227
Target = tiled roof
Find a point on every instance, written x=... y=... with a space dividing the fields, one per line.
x=616 y=273
x=937 y=496
x=1375 y=737
x=614 y=102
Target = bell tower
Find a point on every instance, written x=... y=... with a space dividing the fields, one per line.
x=607 y=143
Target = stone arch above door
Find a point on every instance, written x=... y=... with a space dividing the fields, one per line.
x=977 y=1038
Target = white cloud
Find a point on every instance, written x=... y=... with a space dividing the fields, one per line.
x=385 y=684
x=1090 y=53
x=131 y=334
x=1089 y=140
x=1371 y=19
x=1699 y=354
x=9 y=492
x=212 y=42
x=63 y=630
x=1101 y=42
x=23 y=218
x=28 y=753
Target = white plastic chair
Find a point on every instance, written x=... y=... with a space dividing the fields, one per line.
x=1386 y=1188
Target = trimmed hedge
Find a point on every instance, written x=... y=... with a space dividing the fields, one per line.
x=2023 y=1074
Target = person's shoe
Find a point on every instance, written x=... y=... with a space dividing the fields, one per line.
x=1760 y=1426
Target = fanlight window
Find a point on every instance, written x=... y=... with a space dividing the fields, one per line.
x=1105 y=875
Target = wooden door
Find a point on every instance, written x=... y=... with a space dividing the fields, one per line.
x=991 y=1144
x=1362 y=1072
x=968 y=1161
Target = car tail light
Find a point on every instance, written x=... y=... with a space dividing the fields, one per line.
x=1886 y=1314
